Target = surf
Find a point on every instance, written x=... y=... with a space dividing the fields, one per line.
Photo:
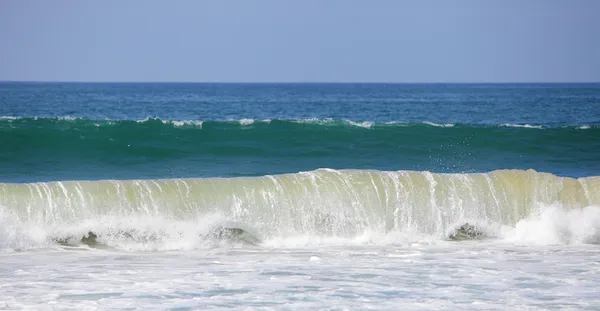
x=325 y=203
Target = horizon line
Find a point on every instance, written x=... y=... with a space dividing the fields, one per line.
x=291 y=82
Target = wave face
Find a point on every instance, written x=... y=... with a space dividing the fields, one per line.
x=357 y=205
x=42 y=149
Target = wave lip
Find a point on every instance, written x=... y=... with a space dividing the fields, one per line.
x=364 y=124
x=522 y=126
x=439 y=124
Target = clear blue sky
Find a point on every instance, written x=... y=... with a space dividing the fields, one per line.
x=300 y=41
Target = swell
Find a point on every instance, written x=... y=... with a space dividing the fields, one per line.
x=59 y=148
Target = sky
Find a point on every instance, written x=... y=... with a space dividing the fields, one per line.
x=300 y=41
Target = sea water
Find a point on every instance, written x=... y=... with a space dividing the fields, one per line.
x=299 y=196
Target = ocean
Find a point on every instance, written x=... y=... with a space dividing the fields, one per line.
x=188 y=196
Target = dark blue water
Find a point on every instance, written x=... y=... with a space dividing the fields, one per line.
x=62 y=131
x=545 y=104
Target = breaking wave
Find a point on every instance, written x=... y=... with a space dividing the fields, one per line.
x=315 y=207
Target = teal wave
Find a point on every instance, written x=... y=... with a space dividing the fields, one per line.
x=57 y=148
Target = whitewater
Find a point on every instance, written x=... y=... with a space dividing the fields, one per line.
x=324 y=239
x=316 y=207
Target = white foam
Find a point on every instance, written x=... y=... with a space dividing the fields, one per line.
x=133 y=233
x=439 y=124
x=15 y=235
x=367 y=237
x=176 y=123
x=195 y=123
x=145 y=120
x=557 y=225
x=364 y=124
x=583 y=127
x=552 y=226
x=246 y=121
x=450 y=276
x=522 y=126
x=314 y=121
x=68 y=118
x=397 y=123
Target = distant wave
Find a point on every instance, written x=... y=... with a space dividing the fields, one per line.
x=523 y=126
x=438 y=124
x=185 y=122
x=246 y=121
x=314 y=120
x=364 y=124
x=317 y=121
